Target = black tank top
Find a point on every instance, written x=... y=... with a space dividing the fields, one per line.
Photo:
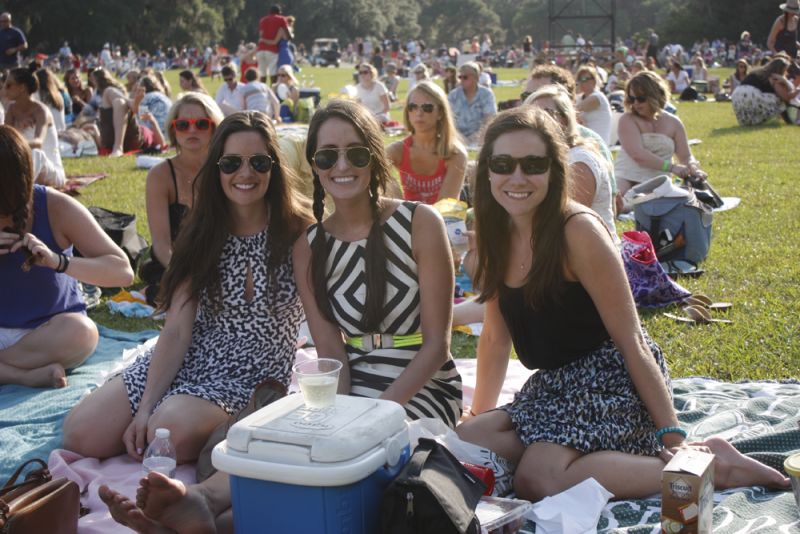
x=555 y=333
x=176 y=210
x=786 y=40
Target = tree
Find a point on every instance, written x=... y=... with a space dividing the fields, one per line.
x=450 y=21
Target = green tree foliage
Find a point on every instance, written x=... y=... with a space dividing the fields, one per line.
x=451 y=21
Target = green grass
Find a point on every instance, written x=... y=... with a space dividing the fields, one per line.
x=752 y=261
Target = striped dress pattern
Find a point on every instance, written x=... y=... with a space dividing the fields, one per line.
x=372 y=372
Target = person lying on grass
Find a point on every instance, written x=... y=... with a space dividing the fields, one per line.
x=44 y=329
x=555 y=289
x=233 y=311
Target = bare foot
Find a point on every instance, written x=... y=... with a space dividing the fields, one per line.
x=173 y=505
x=732 y=469
x=125 y=512
x=52 y=375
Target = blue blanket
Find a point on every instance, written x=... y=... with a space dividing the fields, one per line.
x=31 y=419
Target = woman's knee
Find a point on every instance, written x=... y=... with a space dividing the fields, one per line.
x=82 y=432
x=187 y=433
x=80 y=337
x=533 y=482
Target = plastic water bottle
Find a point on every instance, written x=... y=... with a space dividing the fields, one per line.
x=160 y=454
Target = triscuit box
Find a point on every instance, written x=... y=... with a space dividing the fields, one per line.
x=687 y=493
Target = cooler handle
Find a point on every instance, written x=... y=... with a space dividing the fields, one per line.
x=389 y=472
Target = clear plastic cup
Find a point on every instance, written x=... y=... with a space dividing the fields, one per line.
x=318 y=380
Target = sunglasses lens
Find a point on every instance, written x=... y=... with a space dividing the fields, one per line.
x=359 y=156
x=326 y=158
x=412 y=108
x=261 y=163
x=181 y=125
x=427 y=108
x=229 y=164
x=534 y=164
x=524 y=95
x=502 y=164
x=202 y=124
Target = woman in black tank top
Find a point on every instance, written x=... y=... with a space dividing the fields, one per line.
x=169 y=192
x=555 y=289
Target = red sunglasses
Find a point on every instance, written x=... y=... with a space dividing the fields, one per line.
x=182 y=125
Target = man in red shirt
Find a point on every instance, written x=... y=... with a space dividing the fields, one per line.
x=267 y=54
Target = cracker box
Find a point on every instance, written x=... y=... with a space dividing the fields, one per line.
x=687 y=493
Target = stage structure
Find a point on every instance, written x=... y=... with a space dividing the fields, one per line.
x=593 y=19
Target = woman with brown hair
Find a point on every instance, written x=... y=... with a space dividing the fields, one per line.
x=555 y=289
x=118 y=130
x=373 y=269
x=79 y=94
x=783 y=35
x=189 y=81
x=431 y=160
x=44 y=329
x=233 y=311
x=764 y=93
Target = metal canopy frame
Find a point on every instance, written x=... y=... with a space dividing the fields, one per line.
x=607 y=17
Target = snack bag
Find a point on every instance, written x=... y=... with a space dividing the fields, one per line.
x=455 y=215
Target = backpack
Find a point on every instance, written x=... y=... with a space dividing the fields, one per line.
x=433 y=494
x=121 y=228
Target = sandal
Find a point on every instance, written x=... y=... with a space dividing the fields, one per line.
x=697 y=315
x=698 y=299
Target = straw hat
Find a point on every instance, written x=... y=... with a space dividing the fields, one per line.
x=791 y=7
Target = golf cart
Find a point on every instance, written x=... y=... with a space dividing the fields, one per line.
x=325 y=52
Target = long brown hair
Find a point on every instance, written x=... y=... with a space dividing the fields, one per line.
x=202 y=237
x=49 y=89
x=492 y=222
x=16 y=177
x=369 y=130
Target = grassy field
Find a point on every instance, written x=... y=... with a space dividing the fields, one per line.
x=751 y=261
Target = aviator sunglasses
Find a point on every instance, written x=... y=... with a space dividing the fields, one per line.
x=358 y=156
x=412 y=107
x=230 y=163
x=183 y=124
x=504 y=164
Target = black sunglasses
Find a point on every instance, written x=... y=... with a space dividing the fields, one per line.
x=230 y=163
x=640 y=99
x=358 y=156
x=427 y=108
x=365 y=72
x=463 y=76
x=504 y=164
x=524 y=95
x=182 y=125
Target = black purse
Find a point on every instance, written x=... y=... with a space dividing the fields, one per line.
x=433 y=494
x=703 y=191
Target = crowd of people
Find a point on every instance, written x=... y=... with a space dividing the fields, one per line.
x=368 y=268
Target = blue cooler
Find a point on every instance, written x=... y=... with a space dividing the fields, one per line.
x=317 y=471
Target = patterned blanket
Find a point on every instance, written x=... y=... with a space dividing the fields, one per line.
x=761 y=420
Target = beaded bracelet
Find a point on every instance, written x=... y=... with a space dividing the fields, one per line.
x=669 y=430
x=666 y=165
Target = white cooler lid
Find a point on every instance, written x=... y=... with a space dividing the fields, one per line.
x=286 y=432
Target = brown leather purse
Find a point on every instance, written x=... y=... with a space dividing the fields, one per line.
x=39 y=503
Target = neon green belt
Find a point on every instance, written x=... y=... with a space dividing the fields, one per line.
x=371 y=342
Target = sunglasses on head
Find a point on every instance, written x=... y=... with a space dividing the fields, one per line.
x=504 y=164
x=427 y=108
x=524 y=94
x=182 y=125
x=640 y=99
x=230 y=163
x=358 y=156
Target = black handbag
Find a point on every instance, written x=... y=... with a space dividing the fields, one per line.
x=121 y=228
x=433 y=493
x=703 y=191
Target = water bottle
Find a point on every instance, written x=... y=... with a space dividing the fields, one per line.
x=160 y=454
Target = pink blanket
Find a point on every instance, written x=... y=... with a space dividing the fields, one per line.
x=123 y=473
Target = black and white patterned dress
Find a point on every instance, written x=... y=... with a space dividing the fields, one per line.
x=242 y=345
x=371 y=373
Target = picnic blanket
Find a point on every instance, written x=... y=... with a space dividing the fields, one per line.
x=31 y=419
x=759 y=418
x=79 y=181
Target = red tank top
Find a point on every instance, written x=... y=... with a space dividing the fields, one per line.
x=420 y=187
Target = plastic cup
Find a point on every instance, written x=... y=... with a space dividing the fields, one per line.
x=318 y=380
x=792 y=467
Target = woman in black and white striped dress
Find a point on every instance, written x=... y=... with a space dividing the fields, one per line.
x=376 y=276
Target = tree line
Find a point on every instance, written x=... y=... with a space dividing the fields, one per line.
x=88 y=24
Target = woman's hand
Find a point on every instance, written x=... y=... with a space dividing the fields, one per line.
x=41 y=253
x=681 y=170
x=135 y=436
